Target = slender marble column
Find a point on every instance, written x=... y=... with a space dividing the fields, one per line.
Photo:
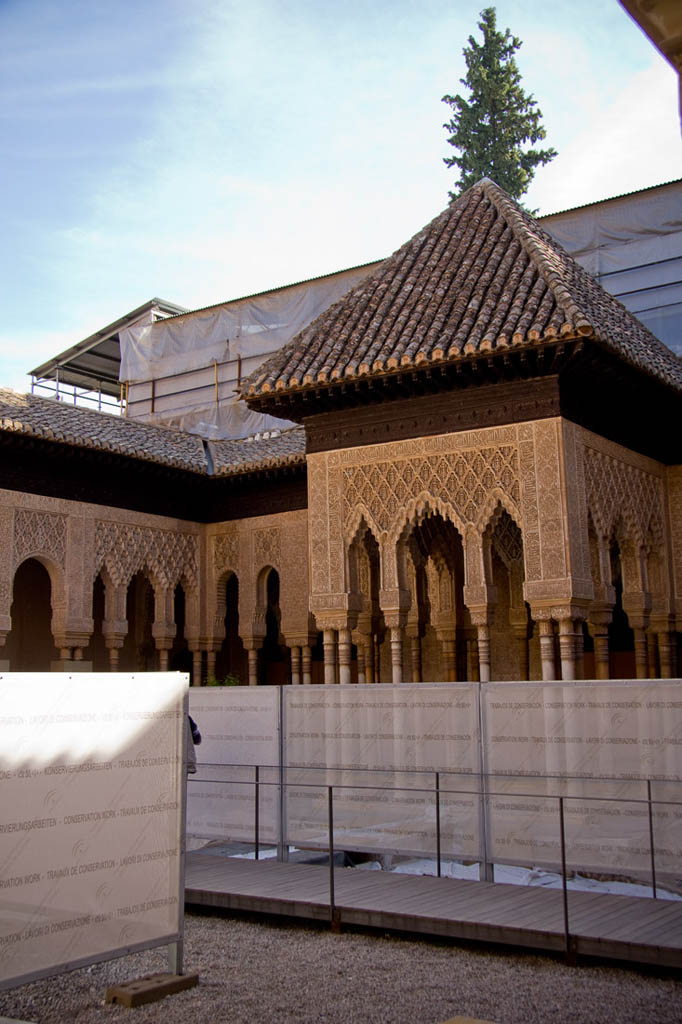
x=295 y=666
x=307 y=665
x=253 y=666
x=397 y=654
x=522 y=643
x=473 y=666
x=641 y=659
x=567 y=649
x=652 y=655
x=449 y=660
x=196 y=667
x=665 y=652
x=416 y=657
x=484 y=652
x=344 y=656
x=547 y=649
x=329 y=645
x=361 y=645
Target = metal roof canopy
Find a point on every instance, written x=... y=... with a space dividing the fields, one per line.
x=94 y=363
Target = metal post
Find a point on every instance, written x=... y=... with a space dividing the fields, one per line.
x=651 y=837
x=175 y=957
x=567 y=934
x=282 y=848
x=176 y=949
x=333 y=920
x=487 y=869
x=255 y=813
x=438 y=822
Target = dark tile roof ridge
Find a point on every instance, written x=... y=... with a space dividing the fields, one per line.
x=51 y=420
x=62 y=423
x=510 y=284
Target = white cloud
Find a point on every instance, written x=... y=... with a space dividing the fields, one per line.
x=631 y=143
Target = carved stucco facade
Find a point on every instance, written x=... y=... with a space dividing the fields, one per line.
x=76 y=542
x=479 y=554
x=250 y=549
x=573 y=498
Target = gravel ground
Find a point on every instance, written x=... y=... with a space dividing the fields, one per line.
x=260 y=971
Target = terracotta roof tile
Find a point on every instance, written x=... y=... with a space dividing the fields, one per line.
x=88 y=428
x=62 y=423
x=266 y=451
x=481 y=277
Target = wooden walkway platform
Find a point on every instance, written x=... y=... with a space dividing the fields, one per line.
x=629 y=928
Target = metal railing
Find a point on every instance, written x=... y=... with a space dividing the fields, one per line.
x=481 y=790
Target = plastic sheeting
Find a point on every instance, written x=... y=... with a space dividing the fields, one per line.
x=231 y=419
x=622 y=233
x=615 y=221
x=90 y=818
x=245 y=327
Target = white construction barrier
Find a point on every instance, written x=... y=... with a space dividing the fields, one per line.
x=239 y=728
x=91 y=818
x=394 y=744
x=603 y=759
x=597 y=745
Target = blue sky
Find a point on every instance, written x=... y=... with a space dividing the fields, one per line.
x=199 y=150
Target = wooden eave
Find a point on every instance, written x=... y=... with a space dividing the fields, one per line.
x=59 y=469
x=429 y=377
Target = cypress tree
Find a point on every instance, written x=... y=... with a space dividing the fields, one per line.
x=499 y=118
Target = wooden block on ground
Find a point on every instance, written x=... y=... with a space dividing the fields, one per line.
x=150 y=988
x=467 y=1020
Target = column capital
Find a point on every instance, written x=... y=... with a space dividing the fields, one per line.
x=481 y=615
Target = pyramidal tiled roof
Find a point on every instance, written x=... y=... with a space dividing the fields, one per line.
x=482 y=277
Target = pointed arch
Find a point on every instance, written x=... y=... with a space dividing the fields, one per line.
x=496 y=503
x=231 y=658
x=138 y=652
x=419 y=508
